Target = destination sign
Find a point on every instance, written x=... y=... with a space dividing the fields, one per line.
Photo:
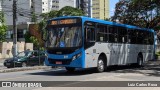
x=64 y=21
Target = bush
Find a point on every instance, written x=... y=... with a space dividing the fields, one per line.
x=158 y=53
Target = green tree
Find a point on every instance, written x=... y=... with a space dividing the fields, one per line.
x=35 y=42
x=69 y=11
x=142 y=13
x=34 y=17
x=65 y=11
x=3 y=27
x=49 y=15
x=31 y=39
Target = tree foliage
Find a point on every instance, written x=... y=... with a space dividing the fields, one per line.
x=34 y=17
x=65 y=11
x=31 y=39
x=142 y=13
x=70 y=11
x=49 y=15
x=3 y=27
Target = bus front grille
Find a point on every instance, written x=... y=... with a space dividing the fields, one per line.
x=64 y=62
x=60 y=51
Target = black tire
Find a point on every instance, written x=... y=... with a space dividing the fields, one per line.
x=70 y=69
x=24 y=64
x=9 y=67
x=139 y=61
x=100 y=65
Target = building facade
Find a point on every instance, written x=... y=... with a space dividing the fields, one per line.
x=100 y=9
x=94 y=8
x=58 y=4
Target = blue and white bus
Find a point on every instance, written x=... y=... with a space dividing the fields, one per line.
x=83 y=42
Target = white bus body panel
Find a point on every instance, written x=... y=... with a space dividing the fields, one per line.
x=117 y=54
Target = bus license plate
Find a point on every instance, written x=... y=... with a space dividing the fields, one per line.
x=58 y=62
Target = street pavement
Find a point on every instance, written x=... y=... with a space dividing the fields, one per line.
x=150 y=72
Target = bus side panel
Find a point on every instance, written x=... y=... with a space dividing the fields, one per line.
x=149 y=52
x=92 y=54
x=117 y=54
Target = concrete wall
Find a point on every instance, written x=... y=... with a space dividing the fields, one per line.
x=6 y=48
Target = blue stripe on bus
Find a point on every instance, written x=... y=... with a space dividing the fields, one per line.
x=102 y=22
x=79 y=62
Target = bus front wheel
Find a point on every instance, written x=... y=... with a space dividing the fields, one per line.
x=100 y=65
x=70 y=69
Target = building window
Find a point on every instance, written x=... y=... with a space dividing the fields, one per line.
x=20 y=34
x=9 y=34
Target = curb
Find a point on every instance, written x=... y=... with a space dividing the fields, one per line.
x=24 y=69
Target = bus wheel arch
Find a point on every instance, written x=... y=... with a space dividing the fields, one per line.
x=140 y=59
x=101 y=63
x=70 y=69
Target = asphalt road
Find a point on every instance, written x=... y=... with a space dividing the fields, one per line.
x=117 y=73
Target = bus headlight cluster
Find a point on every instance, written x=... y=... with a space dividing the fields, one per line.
x=76 y=56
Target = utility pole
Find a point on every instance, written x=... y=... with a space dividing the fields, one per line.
x=14 y=28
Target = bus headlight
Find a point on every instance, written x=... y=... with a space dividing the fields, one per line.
x=76 y=56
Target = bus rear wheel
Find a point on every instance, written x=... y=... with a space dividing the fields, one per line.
x=100 y=65
x=70 y=69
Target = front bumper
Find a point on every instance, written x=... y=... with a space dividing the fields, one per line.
x=12 y=64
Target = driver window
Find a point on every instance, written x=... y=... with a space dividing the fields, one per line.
x=89 y=31
x=90 y=34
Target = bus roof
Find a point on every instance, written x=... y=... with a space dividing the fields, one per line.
x=103 y=22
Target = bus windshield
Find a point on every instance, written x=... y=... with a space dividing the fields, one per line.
x=68 y=36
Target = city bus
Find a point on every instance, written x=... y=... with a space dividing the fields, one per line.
x=82 y=42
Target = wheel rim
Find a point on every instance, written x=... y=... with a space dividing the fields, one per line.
x=140 y=61
x=100 y=65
